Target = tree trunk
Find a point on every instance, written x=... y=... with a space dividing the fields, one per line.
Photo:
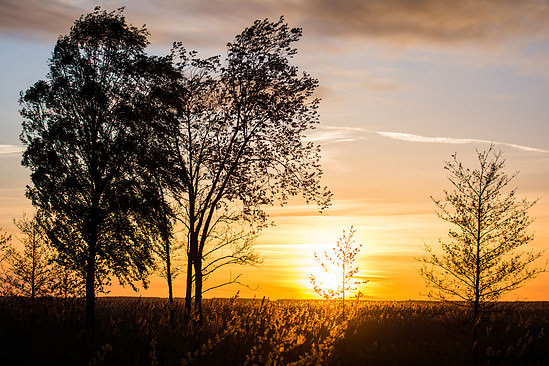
x=198 y=287
x=165 y=234
x=476 y=304
x=189 y=286
x=90 y=293
x=90 y=281
x=33 y=273
x=343 y=291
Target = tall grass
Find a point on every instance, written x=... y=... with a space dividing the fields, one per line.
x=136 y=331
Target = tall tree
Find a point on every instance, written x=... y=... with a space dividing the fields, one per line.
x=237 y=136
x=83 y=131
x=338 y=263
x=482 y=260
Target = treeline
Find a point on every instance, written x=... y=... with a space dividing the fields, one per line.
x=133 y=156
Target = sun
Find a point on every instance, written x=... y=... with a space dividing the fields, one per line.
x=329 y=279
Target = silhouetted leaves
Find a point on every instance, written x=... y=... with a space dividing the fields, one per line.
x=482 y=259
x=83 y=134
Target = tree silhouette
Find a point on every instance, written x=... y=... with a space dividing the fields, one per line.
x=481 y=261
x=30 y=273
x=339 y=262
x=236 y=135
x=4 y=245
x=83 y=131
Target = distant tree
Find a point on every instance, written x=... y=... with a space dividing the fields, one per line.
x=83 y=131
x=482 y=260
x=5 y=239
x=236 y=132
x=338 y=262
x=29 y=273
x=5 y=250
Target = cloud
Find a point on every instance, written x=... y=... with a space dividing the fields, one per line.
x=450 y=140
x=446 y=21
x=400 y=21
x=333 y=134
x=10 y=149
x=37 y=19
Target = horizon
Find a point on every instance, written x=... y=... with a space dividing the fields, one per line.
x=399 y=95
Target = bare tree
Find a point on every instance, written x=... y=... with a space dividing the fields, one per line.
x=482 y=259
x=339 y=262
x=229 y=244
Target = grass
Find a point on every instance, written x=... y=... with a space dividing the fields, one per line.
x=136 y=331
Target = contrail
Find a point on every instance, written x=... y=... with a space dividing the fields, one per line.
x=10 y=149
x=344 y=134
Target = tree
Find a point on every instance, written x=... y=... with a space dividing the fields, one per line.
x=83 y=131
x=339 y=263
x=229 y=244
x=236 y=132
x=481 y=261
x=30 y=273
x=5 y=239
x=5 y=250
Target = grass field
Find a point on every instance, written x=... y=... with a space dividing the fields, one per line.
x=136 y=331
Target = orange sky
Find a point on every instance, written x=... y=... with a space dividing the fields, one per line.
x=403 y=85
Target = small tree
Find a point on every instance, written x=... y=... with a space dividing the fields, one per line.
x=29 y=273
x=338 y=262
x=481 y=261
x=5 y=247
x=5 y=250
x=37 y=270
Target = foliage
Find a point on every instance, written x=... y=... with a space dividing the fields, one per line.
x=339 y=261
x=34 y=271
x=5 y=247
x=83 y=132
x=482 y=260
x=234 y=137
x=29 y=273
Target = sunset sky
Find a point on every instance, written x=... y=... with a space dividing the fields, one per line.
x=404 y=84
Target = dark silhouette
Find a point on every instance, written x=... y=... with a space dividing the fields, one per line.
x=235 y=136
x=4 y=246
x=481 y=261
x=30 y=272
x=83 y=131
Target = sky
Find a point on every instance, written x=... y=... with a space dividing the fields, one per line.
x=404 y=84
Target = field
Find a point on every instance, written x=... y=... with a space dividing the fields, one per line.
x=136 y=331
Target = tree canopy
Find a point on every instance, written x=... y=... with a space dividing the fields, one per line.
x=235 y=137
x=83 y=131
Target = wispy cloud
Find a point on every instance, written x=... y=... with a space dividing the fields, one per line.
x=331 y=135
x=451 y=140
x=344 y=134
x=10 y=149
